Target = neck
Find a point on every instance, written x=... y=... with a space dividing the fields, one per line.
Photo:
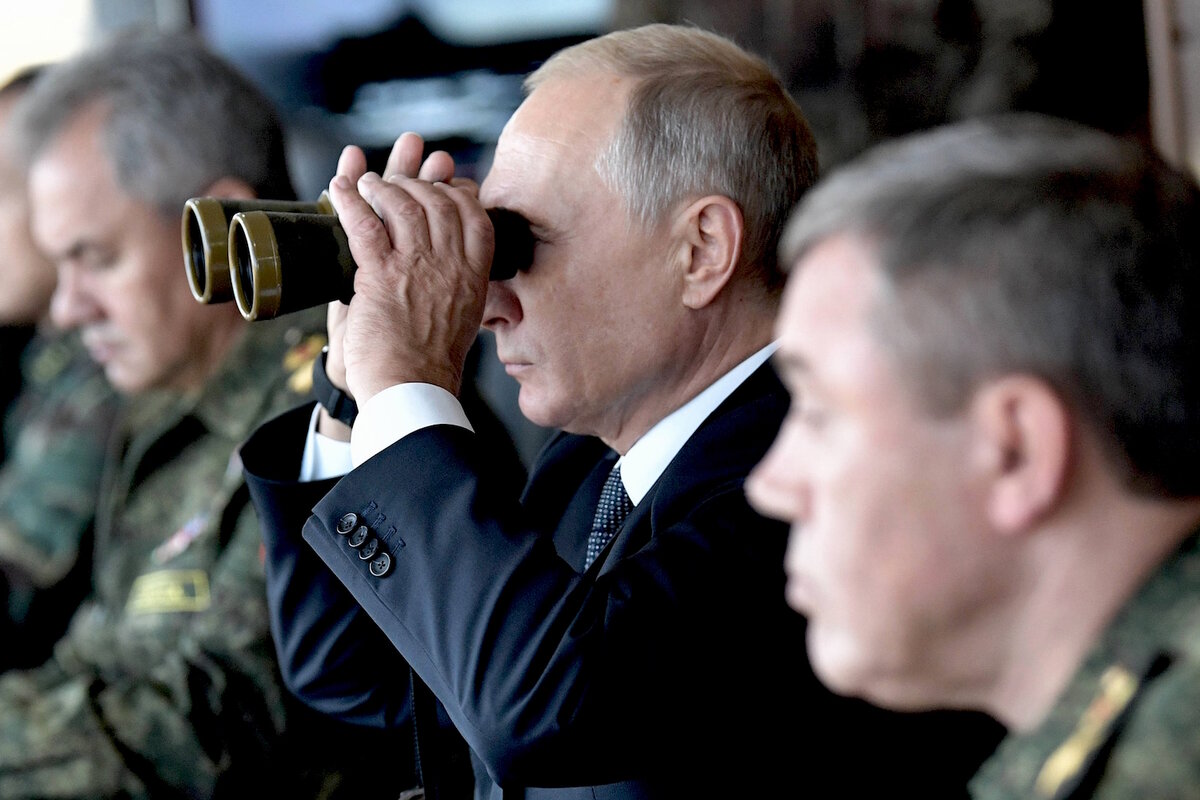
x=212 y=348
x=715 y=346
x=1077 y=581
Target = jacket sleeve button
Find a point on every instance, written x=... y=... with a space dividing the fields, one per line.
x=347 y=523
x=359 y=537
x=369 y=549
x=381 y=565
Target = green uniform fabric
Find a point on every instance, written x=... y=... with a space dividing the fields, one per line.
x=57 y=430
x=13 y=341
x=165 y=682
x=1128 y=724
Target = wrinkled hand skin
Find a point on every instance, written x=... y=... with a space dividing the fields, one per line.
x=423 y=246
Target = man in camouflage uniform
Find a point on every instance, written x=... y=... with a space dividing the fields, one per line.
x=165 y=683
x=54 y=434
x=57 y=428
x=992 y=335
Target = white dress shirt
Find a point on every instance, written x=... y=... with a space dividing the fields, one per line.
x=407 y=407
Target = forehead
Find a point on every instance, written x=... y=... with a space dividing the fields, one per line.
x=73 y=190
x=552 y=141
x=73 y=165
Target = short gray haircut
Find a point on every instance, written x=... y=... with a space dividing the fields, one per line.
x=177 y=118
x=705 y=117
x=1028 y=244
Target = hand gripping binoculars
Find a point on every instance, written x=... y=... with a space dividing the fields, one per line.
x=274 y=257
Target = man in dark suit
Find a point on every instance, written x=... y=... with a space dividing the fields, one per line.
x=655 y=168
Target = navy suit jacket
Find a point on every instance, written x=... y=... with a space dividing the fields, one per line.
x=672 y=667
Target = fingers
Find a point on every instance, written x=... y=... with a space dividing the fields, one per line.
x=405 y=159
x=413 y=217
x=469 y=185
x=438 y=167
x=457 y=223
x=397 y=212
x=368 y=237
x=352 y=163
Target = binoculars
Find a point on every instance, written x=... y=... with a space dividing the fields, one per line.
x=243 y=250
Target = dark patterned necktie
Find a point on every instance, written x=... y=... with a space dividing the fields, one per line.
x=612 y=509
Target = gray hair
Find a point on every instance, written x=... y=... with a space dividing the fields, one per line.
x=178 y=117
x=1035 y=245
x=706 y=117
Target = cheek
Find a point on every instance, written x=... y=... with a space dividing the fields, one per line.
x=137 y=311
x=150 y=315
x=860 y=543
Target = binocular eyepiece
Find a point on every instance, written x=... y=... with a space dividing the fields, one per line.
x=242 y=250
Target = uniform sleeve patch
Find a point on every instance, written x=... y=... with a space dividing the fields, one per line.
x=169 y=591
x=298 y=362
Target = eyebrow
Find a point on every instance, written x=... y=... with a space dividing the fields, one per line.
x=77 y=250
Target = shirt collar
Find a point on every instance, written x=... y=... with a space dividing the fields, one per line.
x=648 y=458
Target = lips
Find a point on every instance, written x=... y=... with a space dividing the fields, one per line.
x=513 y=365
x=799 y=595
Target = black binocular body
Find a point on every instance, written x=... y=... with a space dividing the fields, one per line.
x=274 y=257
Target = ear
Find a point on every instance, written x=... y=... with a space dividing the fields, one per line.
x=1024 y=442
x=230 y=188
x=712 y=231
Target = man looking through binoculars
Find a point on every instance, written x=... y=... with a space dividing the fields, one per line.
x=655 y=168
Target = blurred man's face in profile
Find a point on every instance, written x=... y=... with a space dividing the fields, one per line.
x=883 y=556
x=27 y=277
x=121 y=277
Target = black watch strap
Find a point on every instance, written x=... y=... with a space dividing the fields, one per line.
x=335 y=401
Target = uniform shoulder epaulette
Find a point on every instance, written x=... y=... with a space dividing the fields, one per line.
x=1071 y=768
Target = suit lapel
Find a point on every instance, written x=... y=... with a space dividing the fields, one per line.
x=565 y=482
x=724 y=448
x=563 y=489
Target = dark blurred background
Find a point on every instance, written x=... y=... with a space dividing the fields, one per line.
x=362 y=71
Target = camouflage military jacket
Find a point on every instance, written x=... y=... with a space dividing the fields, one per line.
x=165 y=683
x=56 y=430
x=1128 y=725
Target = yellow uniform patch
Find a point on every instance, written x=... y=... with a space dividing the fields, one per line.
x=299 y=362
x=50 y=362
x=169 y=590
x=1117 y=687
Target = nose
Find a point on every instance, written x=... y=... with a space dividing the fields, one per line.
x=502 y=306
x=778 y=487
x=71 y=305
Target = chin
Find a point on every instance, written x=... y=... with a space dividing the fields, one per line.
x=536 y=412
x=852 y=671
x=835 y=678
x=127 y=382
x=838 y=661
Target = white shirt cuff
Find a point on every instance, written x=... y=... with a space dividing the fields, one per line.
x=324 y=457
x=398 y=411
